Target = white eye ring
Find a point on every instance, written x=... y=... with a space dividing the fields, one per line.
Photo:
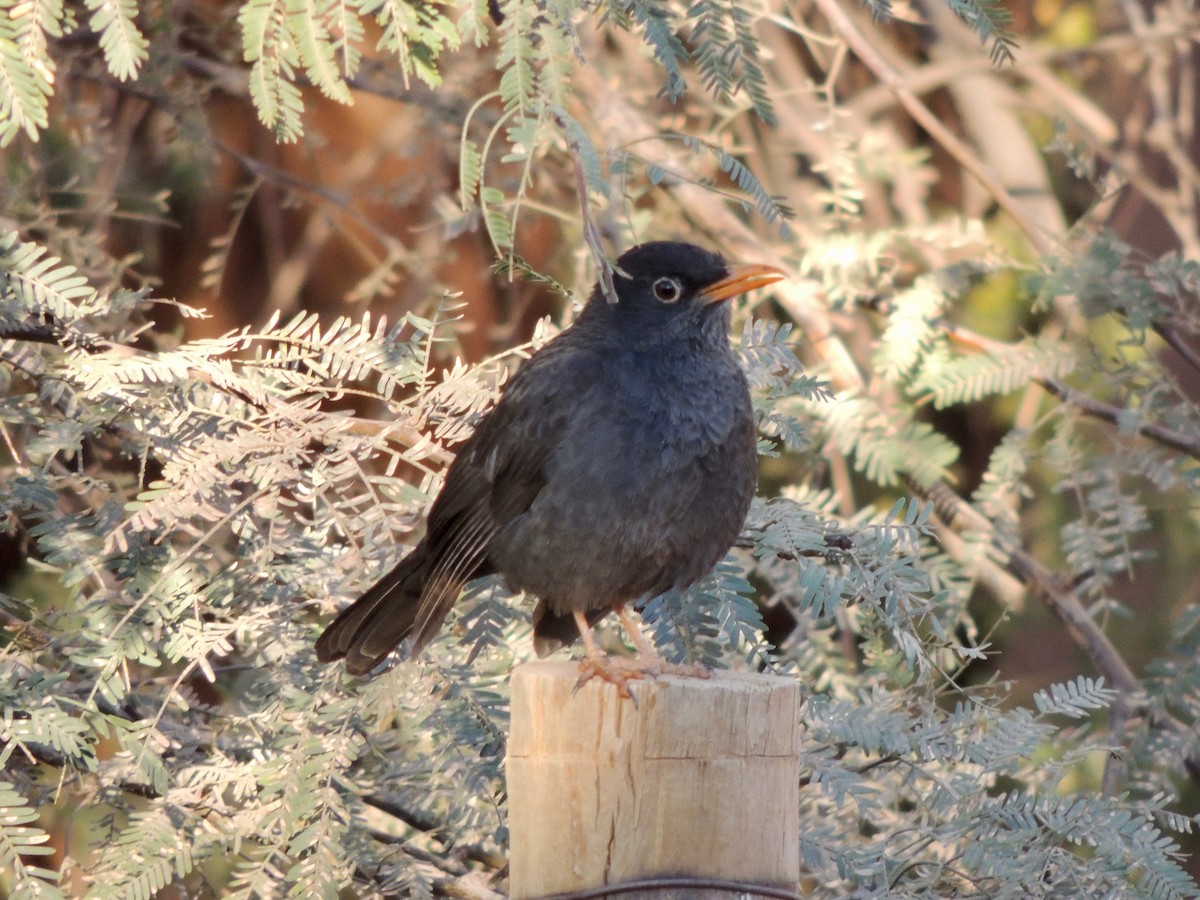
x=668 y=290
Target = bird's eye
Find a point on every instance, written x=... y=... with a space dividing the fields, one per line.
x=668 y=290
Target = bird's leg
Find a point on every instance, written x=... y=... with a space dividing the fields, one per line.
x=620 y=671
x=645 y=649
x=598 y=663
x=652 y=659
x=589 y=639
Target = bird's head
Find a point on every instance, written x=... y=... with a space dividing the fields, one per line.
x=669 y=289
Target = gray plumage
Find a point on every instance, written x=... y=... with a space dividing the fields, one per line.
x=618 y=463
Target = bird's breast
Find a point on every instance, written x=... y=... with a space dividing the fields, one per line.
x=653 y=412
x=647 y=485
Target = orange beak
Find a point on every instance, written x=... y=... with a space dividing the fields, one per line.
x=742 y=279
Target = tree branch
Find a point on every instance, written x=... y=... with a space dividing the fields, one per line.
x=1177 y=343
x=883 y=70
x=1088 y=406
x=431 y=828
x=1055 y=590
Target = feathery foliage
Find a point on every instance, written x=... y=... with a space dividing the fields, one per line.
x=958 y=428
x=19 y=838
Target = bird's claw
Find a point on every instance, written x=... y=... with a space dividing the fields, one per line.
x=619 y=671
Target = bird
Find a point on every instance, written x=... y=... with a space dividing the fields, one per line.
x=618 y=463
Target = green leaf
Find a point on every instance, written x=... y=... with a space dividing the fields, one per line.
x=658 y=31
x=470 y=171
x=726 y=53
x=26 y=68
x=270 y=46
x=125 y=47
x=20 y=837
x=415 y=33
x=317 y=52
x=1004 y=369
x=494 y=217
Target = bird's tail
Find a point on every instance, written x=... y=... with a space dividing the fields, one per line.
x=373 y=625
x=552 y=630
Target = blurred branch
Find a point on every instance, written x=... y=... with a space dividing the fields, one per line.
x=874 y=60
x=1121 y=418
x=447 y=864
x=337 y=199
x=22 y=632
x=873 y=100
x=1178 y=344
x=433 y=829
x=1087 y=405
x=463 y=882
x=1055 y=590
x=1170 y=81
x=415 y=820
x=1057 y=593
x=999 y=136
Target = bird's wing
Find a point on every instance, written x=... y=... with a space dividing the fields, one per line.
x=497 y=476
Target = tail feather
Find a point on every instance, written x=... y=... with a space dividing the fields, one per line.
x=370 y=628
x=552 y=631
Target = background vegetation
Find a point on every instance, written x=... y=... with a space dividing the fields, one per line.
x=976 y=543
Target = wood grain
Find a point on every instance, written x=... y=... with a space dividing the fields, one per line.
x=699 y=778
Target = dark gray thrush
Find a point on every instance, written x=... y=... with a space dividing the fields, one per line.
x=618 y=463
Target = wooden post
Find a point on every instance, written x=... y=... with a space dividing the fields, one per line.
x=700 y=778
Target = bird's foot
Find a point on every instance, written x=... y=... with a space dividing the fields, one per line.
x=619 y=671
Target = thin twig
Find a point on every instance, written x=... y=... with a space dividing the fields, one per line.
x=883 y=70
x=1088 y=406
x=1173 y=339
x=591 y=234
x=1055 y=590
x=433 y=829
x=447 y=864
